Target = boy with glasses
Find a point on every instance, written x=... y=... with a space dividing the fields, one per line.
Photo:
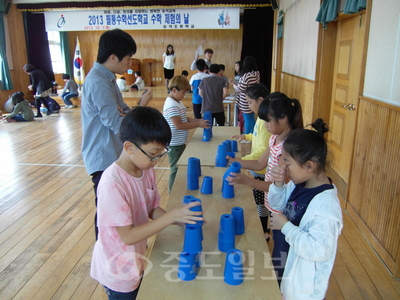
x=127 y=199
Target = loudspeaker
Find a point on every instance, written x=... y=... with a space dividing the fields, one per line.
x=274 y=4
x=8 y=7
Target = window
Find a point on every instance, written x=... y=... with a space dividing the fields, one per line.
x=57 y=61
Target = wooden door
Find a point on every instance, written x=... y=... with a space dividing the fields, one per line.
x=345 y=92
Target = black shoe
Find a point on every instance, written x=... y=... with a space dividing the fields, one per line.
x=48 y=113
x=38 y=116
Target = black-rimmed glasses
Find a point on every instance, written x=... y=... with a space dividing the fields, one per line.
x=152 y=158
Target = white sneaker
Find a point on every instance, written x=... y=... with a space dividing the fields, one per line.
x=65 y=106
x=71 y=106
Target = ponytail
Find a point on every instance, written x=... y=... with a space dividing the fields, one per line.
x=320 y=126
x=297 y=121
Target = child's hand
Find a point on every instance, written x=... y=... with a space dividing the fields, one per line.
x=230 y=159
x=204 y=124
x=121 y=112
x=237 y=178
x=277 y=221
x=278 y=175
x=238 y=137
x=183 y=214
x=146 y=97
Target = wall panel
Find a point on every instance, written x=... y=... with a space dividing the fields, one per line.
x=374 y=183
x=303 y=90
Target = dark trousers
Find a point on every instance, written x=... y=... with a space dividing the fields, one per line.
x=96 y=176
x=219 y=118
x=197 y=111
x=38 y=103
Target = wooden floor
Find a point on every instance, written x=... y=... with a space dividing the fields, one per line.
x=46 y=221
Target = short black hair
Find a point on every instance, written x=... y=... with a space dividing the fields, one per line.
x=66 y=76
x=115 y=42
x=214 y=68
x=28 y=68
x=138 y=73
x=222 y=67
x=201 y=64
x=144 y=125
x=256 y=91
x=185 y=73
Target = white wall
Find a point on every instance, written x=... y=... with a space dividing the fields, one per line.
x=382 y=74
x=300 y=37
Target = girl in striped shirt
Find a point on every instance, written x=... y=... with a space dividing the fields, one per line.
x=282 y=115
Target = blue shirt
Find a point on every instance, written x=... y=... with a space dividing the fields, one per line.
x=101 y=119
x=195 y=81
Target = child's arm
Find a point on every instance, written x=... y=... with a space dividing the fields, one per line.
x=255 y=165
x=189 y=125
x=224 y=92
x=131 y=235
x=240 y=178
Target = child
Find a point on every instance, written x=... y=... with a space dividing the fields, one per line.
x=70 y=91
x=169 y=64
x=312 y=218
x=127 y=198
x=195 y=81
x=282 y=115
x=221 y=73
x=22 y=111
x=213 y=91
x=175 y=114
x=255 y=94
x=139 y=83
x=185 y=73
x=121 y=82
x=208 y=54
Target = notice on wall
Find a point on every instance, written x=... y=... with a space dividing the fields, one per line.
x=141 y=19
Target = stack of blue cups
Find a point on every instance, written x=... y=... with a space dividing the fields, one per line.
x=238 y=220
x=226 y=234
x=228 y=190
x=189 y=259
x=207 y=132
x=193 y=173
x=220 y=159
x=234 y=146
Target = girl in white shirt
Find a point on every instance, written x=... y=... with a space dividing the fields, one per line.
x=312 y=218
x=169 y=64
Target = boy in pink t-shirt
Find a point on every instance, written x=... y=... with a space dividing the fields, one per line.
x=127 y=199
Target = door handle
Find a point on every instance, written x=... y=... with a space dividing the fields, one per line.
x=349 y=106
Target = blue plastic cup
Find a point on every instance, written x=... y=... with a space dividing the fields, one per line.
x=207 y=185
x=231 y=154
x=198 y=166
x=220 y=159
x=228 y=190
x=206 y=135
x=187 y=266
x=228 y=145
x=192 y=240
x=192 y=174
x=234 y=146
x=226 y=234
x=233 y=271
x=238 y=219
x=196 y=208
x=187 y=199
x=197 y=261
